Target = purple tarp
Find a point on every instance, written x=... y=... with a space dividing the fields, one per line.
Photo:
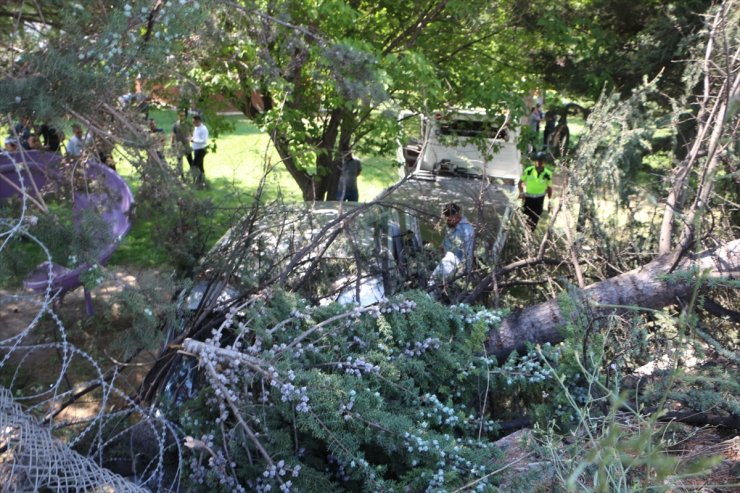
x=111 y=198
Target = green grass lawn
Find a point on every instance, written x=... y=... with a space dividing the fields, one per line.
x=234 y=171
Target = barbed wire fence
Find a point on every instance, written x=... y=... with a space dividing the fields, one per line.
x=39 y=446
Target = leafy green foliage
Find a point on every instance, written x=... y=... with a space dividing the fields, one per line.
x=143 y=311
x=16 y=259
x=579 y=47
x=618 y=449
x=383 y=398
x=397 y=397
x=87 y=48
x=184 y=227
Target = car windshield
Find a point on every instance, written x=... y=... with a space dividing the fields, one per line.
x=463 y=143
x=318 y=251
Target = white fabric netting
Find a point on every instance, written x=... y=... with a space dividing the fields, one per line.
x=32 y=459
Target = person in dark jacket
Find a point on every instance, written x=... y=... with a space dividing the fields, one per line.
x=351 y=169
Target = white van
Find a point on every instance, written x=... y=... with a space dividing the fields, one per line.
x=462 y=143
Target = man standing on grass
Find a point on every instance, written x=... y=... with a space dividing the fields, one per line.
x=200 y=142
x=536 y=180
x=351 y=169
x=181 y=132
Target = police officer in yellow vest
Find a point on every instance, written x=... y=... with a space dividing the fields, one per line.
x=536 y=181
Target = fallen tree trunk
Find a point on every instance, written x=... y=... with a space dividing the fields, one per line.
x=644 y=287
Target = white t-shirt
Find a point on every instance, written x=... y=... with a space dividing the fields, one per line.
x=200 y=137
x=75 y=145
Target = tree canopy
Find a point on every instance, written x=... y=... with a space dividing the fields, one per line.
x=322 y=77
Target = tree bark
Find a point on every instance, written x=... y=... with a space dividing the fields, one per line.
x=304 y=180
x=329 y=158
x=323 y=185
x=643 y=287
x=721 y=86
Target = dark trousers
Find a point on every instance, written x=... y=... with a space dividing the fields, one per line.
x=348 y=194
x=533 y=210
x=198 y=171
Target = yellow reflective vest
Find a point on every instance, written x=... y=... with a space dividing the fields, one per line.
x=536 y=184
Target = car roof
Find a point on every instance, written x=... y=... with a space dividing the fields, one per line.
x=484 y=204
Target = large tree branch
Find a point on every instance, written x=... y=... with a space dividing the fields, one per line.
x=716 y=147
x=301 y=177
x=412 y=31
x=645 y=287
x=720 y=87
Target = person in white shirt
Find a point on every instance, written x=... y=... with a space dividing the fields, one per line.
x=200 y=142
x=77 y=142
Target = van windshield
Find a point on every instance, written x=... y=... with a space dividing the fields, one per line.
x=471 y=128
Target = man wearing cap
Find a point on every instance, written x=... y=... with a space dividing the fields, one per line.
x=457 y=245
x=536 y=181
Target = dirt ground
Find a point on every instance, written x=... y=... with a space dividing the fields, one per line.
x=19 y=307
x=35 y=372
